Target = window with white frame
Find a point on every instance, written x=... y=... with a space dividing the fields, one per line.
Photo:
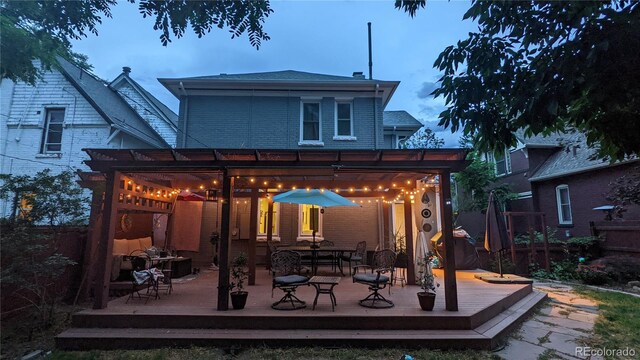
x=310 y=129
x=563 y=201
x=344 y=120
x=501 y=161
x=305 y=222
x=263 y=213
x=52 y=133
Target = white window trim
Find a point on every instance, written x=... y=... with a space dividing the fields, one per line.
x=309 y=237
x=303 y=142
x=276 y=234
x=336 y=136
x=561 y=219
x=45 y=130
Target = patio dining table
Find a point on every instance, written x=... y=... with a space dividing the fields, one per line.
x=337 y=251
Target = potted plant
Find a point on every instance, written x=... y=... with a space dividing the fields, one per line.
x=426 y=279
x=400 y=247
x=239 y=275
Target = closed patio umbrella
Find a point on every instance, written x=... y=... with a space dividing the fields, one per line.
x=314 y=197
x=496 y=239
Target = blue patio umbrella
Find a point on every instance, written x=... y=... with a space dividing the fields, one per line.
x=314 y=197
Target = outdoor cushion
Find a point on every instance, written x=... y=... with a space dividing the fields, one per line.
x=145 y=242
x=370 y=278
x=120 y=247
x=133 y=245
x=290 y=279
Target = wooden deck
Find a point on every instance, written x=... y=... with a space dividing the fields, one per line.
x=188 y=317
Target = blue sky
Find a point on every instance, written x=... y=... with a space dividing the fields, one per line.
x=327 y=37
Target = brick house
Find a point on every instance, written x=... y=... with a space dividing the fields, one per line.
x=556 y=175
x=291 y=110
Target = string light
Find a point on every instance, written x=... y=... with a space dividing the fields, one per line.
x=252 y=180
x=279 y=186
x=265 y=183
x=293 y=187
x=201 y=187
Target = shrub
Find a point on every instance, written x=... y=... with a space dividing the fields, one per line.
x=593 y=274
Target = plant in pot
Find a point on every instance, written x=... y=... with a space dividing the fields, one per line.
x=426 y=279
x=400 y=247
x=239 y=274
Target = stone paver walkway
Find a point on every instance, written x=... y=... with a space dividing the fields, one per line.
x=556 y=330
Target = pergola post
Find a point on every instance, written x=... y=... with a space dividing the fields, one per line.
x=93 y=243
x=408 y=231
x=253 y=236
x=269 y=229
x=107 y=233
x=223 y=270
x=386 y=225
x=450 y=286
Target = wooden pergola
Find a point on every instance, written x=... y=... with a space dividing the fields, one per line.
x=146 y=180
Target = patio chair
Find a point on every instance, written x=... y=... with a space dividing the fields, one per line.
x=139 y=264
x=356 y=257
x=327 y=258
x=285 y=270
x=376 y=279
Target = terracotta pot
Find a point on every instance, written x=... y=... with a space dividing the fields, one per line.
x=427 y=300
x=239 y=299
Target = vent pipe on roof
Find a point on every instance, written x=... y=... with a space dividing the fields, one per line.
x=126 y=70
x=370 y=57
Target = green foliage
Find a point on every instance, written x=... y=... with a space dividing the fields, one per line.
x=54 y=200
x=626 y=189
x=477 y=181
x=560 y=270
x=31 y=263
x=545 y=67
x=508 y=267
x=424 y=138
x=239 y=272
x=593 y=274
x=42 y=30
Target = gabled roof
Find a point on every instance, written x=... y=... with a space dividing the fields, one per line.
x=543 y=141
x=400 y=119
x=283 y=81
x=170 y=116
x=572 y=157
x=115 y=110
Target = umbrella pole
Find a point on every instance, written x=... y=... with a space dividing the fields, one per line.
x=500 y=263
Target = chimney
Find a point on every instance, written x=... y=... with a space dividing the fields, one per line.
x=126 y=70
x=358 y=75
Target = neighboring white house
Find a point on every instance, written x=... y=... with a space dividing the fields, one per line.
x=48 y=125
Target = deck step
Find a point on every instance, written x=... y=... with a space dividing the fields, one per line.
x=106 y=339
x=482 y=337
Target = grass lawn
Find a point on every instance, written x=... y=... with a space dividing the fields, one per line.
x=273 y=354
x=618 y=326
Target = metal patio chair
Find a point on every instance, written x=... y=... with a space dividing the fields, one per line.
x=376 y=279
x=285 y=270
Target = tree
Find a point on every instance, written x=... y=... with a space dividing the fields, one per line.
x=424 y=138
x=31 y=262
x=545 y=67
x=42 y=30
x=625 y=191
x=477 y=180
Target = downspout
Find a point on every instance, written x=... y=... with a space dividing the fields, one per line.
x=375 y=117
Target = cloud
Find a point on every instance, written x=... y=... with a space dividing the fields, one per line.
x=426 y=89
x=431 y=110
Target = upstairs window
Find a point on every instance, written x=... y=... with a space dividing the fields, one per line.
x=502 y=162
x=564 y=205
x=310 y=122
x=344 y=120
x=52 y=134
